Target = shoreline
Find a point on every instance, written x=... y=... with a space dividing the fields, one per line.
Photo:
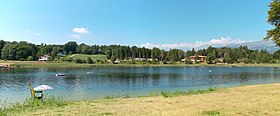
x=36 y=64
x=260 y=99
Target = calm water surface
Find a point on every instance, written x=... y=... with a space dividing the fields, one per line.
x=132 y=81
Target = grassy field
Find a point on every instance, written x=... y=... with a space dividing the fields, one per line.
x=84 y=57
x=37 y=64
x=245 y=100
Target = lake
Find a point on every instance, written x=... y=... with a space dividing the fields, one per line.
x=133 y=81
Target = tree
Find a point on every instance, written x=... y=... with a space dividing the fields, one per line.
x=253 y=56
x=55 y=51
x=227 y=58
x=29 y=58
x=89 y=60
x=108 y=53
x=133 y=51
x=46 y=49
x=155 y=53
x=193 y=52
x=22 y=52
x=274 y=19
x=2 y=43
x=70 y=47
x=25 y=49
x=210 y=58
x=84 y=49
x=113 y=59
x=276 y=55
x=9 y=51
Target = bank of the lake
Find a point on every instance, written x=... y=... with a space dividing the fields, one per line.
x=36 y=64
x=243 y=100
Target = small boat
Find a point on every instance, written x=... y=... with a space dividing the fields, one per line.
x=60 y=74
x=89 y=72
x=209 y=70
x=231 y=66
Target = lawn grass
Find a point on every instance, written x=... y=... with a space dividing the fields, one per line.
x=37 y=64
x=85 y=56
x=31 y=105
x=181 y=93
x=245 y=100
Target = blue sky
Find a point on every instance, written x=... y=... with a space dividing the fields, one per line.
x=133 y=22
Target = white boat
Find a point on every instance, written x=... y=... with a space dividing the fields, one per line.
x=89 y=72
x=60 y=74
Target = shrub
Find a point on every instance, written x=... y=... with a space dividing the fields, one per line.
x=89 y=60
x=30 y=58
x=80 y=61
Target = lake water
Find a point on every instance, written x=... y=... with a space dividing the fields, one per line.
x=132 y=81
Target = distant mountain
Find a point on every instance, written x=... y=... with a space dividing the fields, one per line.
x=267 y=45
x=218 y=43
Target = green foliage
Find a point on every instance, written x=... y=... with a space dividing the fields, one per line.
x=175 y=55
x=108 y=97
x=210 y=58
x=187 y=61
x=2 y=43
x=167 y=94
x=80 y=61
x=274 y=20
x=29 y=58
x=131 y=55
x=89 y=60
x=84 y=58
x=70 y=47
x=31 y=104
x=113 y=59
x=155 y=53
x=211 y=113
x=9 y=51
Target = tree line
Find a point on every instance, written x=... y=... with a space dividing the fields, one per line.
x=25 y=51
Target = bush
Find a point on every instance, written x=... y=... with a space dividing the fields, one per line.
x=22 y=59
x=30 y=58
x=188 y=61
x=89 y=60
x=68 y=59
x=80 y=61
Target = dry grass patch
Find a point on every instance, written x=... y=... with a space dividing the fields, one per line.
x=245 y=100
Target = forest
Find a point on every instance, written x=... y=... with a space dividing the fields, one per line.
x=25 y=51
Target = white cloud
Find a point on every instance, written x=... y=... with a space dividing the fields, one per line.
x=80 y=30
x=197 y=45
x=32 y=33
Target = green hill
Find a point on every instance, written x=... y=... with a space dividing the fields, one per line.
x=85 y=56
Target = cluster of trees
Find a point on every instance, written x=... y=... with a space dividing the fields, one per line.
x=28 y=51
x=236 y=55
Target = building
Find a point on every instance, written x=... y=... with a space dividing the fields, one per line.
x=198 y=59
x=44 y=58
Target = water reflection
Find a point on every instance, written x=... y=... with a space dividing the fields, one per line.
x=103 y=81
